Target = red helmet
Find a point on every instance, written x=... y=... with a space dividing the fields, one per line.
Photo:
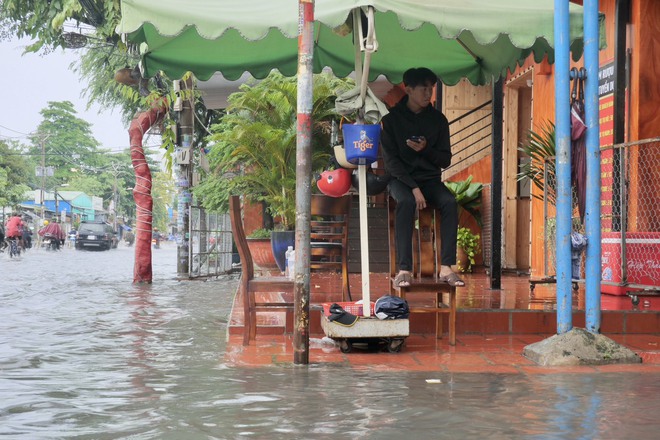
x=334 y=183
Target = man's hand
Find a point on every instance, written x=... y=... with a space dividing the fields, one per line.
x=417 y=145
x=419 y=198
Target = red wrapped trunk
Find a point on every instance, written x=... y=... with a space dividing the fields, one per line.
x=142 y=272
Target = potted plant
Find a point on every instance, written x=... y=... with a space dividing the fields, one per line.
x=468 y=196
x=467 y=247
x=260 y=247
x=253 y=149
x=540 y=146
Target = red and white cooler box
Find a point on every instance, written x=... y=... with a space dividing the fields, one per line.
x=642 y=255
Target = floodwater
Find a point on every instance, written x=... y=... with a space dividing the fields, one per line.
x=86 y=354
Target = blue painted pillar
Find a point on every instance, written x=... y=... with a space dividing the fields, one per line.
x=592 y=211
x=563 y=167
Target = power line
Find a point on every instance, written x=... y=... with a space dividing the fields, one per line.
x=86 y=153
x=15 y=131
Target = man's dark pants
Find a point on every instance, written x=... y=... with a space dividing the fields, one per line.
x=438 y=196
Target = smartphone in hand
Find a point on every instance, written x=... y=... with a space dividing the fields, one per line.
x=416 y=138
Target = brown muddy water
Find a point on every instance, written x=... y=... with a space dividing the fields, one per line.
x=85 y=354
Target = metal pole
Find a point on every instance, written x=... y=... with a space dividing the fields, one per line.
x=185 y=173
x=563 y=167
x=592 y=211
x=496 y=185
x=43 y=179
x=301 y=295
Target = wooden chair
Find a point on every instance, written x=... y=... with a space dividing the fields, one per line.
x=426 y=267
x=278 y=287
x=329 y=236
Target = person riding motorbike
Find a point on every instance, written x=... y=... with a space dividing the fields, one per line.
x=129 y=238
x=27 y=237
x=14 y=229
x=72 y=237
x=155 y=238
x=54 y=232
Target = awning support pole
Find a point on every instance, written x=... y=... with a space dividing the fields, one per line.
x=361 y=77
x=592 y=211
x=563 y=167
x=301 y=288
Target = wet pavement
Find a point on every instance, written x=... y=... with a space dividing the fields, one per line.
x=86 y=354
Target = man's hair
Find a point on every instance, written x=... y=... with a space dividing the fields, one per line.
x=419 y=76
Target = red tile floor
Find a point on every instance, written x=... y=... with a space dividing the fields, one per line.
x=493 y=327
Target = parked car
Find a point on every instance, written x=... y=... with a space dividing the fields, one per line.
x=97 y=235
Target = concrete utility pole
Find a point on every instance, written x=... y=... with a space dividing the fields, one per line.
x=184 y=160
x=115 y=194
x=42 y=198
x=42 y=173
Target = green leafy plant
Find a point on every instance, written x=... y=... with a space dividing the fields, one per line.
x=468 y=196
x=260 y=233
x=540 y=147
x=253 y=148
x=469 y=242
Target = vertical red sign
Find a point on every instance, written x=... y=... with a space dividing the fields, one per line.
x=606 y=115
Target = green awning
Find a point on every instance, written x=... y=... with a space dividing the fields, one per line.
x=473 y=39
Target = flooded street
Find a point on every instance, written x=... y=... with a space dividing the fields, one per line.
x=86 y=354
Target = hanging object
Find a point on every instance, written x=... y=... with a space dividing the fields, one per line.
x=334 y=183
x=340 y=156
x=376 y=183
x=578 y=146
x=361 y=143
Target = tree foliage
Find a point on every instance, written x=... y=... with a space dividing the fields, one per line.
x=66 y=142
x=163 y=196
x=254 y=146
x=14 y=173
x=44 y=20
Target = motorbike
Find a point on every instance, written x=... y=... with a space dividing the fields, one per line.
x=72 y=239
x=155 y=240
x=49 y=242
x=129 y=238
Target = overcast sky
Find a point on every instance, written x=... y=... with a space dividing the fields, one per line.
x=30 y=81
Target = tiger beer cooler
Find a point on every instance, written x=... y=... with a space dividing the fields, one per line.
x=643 y=260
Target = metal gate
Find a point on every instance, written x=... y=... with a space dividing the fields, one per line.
x=630 y=219
x=210 y=243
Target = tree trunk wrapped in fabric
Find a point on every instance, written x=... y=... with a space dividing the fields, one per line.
x=142 y=271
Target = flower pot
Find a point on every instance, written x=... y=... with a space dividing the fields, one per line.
x=462 y=260
x=262 y=254
x=280 y=241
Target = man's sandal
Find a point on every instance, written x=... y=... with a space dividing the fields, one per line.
x=402 y=279
x=452 y=279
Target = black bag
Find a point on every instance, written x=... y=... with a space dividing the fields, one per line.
x=392 y=306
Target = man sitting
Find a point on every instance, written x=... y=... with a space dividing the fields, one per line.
x=416 y=148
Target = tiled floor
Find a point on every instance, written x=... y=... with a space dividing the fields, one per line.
x=493 y=327
x=472 y=353
x=514 y=296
